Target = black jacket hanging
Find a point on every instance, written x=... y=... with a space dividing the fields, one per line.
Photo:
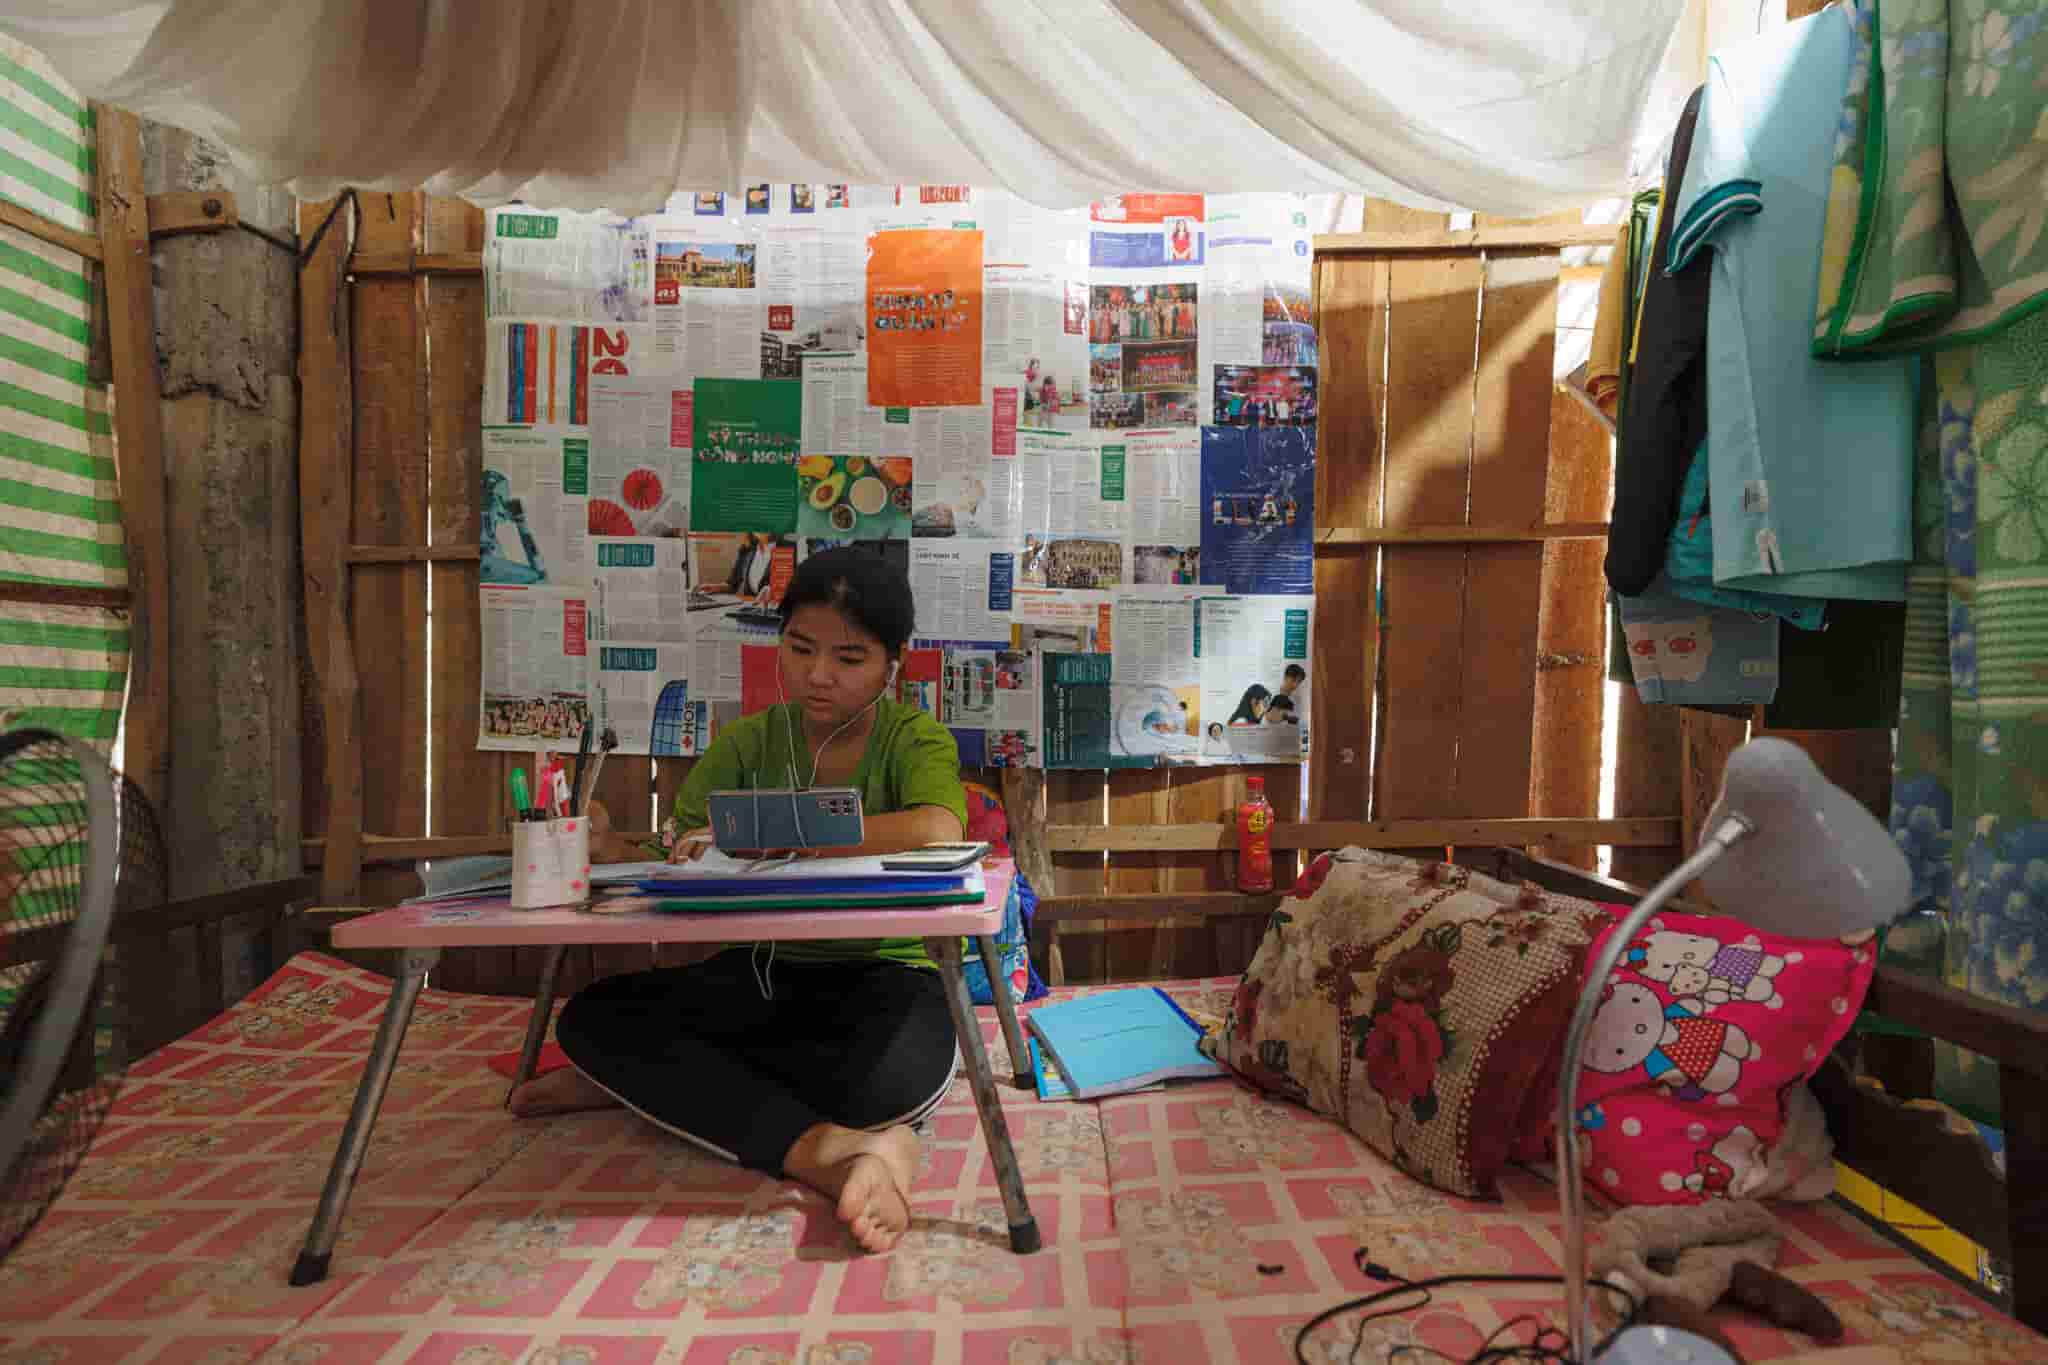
x=1664 y=407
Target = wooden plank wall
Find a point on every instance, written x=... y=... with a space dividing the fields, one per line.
x=1468 y=344
x=416 y=388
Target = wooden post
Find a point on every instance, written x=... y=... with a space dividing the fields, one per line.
x=1649 y=761
x=1571 y=662
x=138 y=438
x=226 y=344
x=326 y=504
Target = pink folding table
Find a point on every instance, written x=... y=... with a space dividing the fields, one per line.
x=422 y=932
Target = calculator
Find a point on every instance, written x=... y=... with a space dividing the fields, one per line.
x=936 y=858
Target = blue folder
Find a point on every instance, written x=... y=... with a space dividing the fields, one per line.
x=693 y=888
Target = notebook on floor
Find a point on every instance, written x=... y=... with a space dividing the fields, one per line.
x=1118 y=1041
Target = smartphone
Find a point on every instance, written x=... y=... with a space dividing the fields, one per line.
x=936 y=858
x=783 y=818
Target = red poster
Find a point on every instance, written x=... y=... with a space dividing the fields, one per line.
x=574 y=611
x=760 y=687
x=917 y=682
x=1146 y=208
x=781 y=568
x=1005 y=439
x=610 y=351
x=924 y=319
x=681 y=418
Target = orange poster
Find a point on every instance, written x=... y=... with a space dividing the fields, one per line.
x=924 y=319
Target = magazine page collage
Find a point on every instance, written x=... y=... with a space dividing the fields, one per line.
x=1087 y=437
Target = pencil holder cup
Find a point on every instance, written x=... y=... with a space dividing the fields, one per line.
x=550 y=863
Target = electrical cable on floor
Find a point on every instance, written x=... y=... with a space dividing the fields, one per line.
x=1549 y=1346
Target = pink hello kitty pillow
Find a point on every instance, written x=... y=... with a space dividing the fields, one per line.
x=1702 y=1028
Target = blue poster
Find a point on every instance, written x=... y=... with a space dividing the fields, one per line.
x=1258 y=509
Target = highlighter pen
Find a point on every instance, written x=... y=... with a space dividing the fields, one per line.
x=519 y=802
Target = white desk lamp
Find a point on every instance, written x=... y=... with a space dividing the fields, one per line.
x=1787 y=851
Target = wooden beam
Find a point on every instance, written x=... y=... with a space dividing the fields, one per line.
x=418 y=263
x=411 y=554
x=1322 y=834
x=65 y=595
x=56 y=234
x=1913 y=1151
x=2023 y=1100
x=1526 y=237
x=1362 y=536
x=264 y=898
x=1160 y=905
x=326 y=504
x=400 y=848
x=192 y=211
x=139 y=446
x=2000 y=1033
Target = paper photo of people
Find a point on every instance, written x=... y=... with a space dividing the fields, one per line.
x=1074 y=562
x=1254 y=657
x=535 y=679
x=1265 y=395
x=1290 y=337
x=739 y=575
x=1141 y=356
x=1155 y=722
x=1050 y=395
x=1166 y=566
x=1259 y=515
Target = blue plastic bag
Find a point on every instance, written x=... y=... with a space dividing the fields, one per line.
x=1013 y=944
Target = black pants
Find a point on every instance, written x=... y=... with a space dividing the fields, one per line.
x=744 y=1062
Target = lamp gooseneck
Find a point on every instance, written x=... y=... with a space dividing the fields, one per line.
x=1732 y=829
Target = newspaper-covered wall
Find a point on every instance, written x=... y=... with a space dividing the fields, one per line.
x=1088 y=438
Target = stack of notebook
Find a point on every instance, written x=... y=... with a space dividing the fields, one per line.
x=719 y=882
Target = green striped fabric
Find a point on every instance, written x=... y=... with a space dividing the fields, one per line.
x=65 y=668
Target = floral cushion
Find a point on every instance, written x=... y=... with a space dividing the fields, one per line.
x=1423 y=1006
x=1704 y=1028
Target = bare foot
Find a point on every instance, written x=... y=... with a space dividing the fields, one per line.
x=868 y=1175
x=565 y=1090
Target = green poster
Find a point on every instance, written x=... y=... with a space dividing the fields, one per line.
x=1113 y=473
x=745 y=434
x=576 y=466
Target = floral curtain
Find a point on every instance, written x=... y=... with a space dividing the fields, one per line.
x=1936 y=243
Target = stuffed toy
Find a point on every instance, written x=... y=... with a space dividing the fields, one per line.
x=1681 y=1260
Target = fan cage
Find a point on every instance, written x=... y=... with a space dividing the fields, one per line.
x=46 y=840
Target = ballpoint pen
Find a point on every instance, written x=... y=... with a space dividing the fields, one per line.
x=581 y=799
x=608 y=742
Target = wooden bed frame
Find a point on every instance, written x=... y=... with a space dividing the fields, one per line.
x=1875 y=1090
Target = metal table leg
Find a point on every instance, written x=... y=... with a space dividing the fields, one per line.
x=537 y=1023
x=1006 y=1013
x=413 y=965
x=1024 y=1236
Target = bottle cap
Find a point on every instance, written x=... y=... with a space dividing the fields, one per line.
x=1255 y=783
